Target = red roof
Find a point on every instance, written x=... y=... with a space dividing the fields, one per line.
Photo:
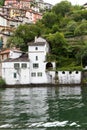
x=5 y=52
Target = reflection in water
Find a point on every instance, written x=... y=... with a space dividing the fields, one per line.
x=43 y=108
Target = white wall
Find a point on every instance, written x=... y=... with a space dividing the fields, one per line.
x=14 y=54
x=8 y=73
x=67 y=77
x=3 y=21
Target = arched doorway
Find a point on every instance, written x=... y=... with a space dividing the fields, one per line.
x=49 y=65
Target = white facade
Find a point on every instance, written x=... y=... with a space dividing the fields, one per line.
x=30 y=70
x=69 y=77
x=15 y=54
x=3 y=21
x=34 y=69
x=37 y=57
x=14 y=75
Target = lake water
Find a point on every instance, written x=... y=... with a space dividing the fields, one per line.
x=44 y=108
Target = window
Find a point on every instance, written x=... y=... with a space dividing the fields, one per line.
x=36 y=57
x=16 y=65
x=36 y=48
x=70 y=72
x=63 y=72
x=15 y=75
x=23 y=65
x=77 y=72
x=39 y=74
x=35 y=65
x=33 y=74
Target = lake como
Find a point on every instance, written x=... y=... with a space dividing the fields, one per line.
x=44 y=108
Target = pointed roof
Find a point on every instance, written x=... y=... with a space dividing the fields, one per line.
x=38 y=42
x=22 y=58
x=39 y=39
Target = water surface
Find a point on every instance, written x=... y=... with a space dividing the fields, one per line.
x=43 y=108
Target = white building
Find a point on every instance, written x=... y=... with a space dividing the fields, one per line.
x=29 y=69
x=69 y=77
x=33 y=68
x=38 y=65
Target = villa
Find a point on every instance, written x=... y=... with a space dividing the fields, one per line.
x=30 y=68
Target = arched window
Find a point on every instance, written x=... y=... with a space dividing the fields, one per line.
x=36 y=48
x=49 y=65
x=63 y=72
x=70 y=72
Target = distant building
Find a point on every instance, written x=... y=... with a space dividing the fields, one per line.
x=31 y=68
x=85 y=6
x=16 y=12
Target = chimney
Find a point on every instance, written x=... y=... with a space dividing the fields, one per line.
x=35 y=38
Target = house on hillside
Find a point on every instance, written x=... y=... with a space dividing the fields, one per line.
x=8 y=53
x=30 y=68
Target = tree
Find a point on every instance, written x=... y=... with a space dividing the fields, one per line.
x=58 y=44
x=71 y=26
x=81 y=55
x=62 y=8
x=17 y=42
x=2 y=2
x=81 y=29
x=22 y=35
x=55 y=28
x=49 y=19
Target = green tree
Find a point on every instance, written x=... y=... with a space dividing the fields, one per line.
x=81 y=29
x=49 y=19
x=81 y=55
x=62 y=8
x=58 y=44
x=17 y=42
x=2 y=2
x=22 y=35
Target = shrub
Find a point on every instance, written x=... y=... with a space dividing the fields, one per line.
x=2 y=82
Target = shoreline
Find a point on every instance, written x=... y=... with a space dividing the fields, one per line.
x=39 y=85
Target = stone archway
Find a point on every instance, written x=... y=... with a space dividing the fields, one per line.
x=49 y=66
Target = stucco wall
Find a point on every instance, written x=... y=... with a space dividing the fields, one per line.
x=3 y=22
x=22 y=74
x=69 y=77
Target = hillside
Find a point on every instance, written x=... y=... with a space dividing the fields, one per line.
x=65 y=28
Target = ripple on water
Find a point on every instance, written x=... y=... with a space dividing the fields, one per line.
x=54 y=124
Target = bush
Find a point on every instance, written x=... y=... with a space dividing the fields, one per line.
x=71 y=68
x=2 y=82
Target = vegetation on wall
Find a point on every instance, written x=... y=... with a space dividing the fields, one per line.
x=59 y=26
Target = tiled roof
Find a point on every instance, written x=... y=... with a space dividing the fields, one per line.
x=22 y=58
x=37 y=44
x=8 y=51
x=5 y=52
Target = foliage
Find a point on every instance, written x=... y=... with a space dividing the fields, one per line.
x=22 y=35
x=49 y=19
x=81 y=56
x=62 y=22
x=2 y=82
x=62 y=8
x=69 y=68
x=57 y=44
x=2 y=2
x=81 y=29
x=16 y=41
